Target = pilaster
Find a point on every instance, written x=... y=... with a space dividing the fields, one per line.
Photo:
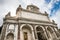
x=45 y=34
x=3 y=31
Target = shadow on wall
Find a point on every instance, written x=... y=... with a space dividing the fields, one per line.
x=1 y=29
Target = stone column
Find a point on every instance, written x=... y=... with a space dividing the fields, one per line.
x=46 y=32
x=57 y=34
x=15 y=32
x=21 y=35
x=36 y=37
x=54 y=33
x=18 y=32
x=33 y=35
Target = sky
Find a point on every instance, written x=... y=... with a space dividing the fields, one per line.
x=52 y=7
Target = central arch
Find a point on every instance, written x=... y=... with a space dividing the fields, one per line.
x=26 y=32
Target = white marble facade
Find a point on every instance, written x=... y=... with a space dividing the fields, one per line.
x=29 y=24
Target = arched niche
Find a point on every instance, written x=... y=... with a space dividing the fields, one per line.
x=10 y=36
x=26 y=27
x=40 y=33
x=26 y=32
x=51 y=34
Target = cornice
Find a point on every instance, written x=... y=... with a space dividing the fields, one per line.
x=28 y=22
x=10 y=18
x=26 y=10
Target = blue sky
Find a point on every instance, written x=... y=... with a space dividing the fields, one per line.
x=51 y=6
x=48 y=1
x=55 y=8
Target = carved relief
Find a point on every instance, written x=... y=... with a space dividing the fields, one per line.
x=11 y=26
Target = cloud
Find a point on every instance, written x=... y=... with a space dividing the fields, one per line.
x=56 y=17
x=1 y=2
x=51 y=6
x=48 y=1
x=55 y=7
x=6 y=6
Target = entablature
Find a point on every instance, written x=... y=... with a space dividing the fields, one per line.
x=30 y=22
